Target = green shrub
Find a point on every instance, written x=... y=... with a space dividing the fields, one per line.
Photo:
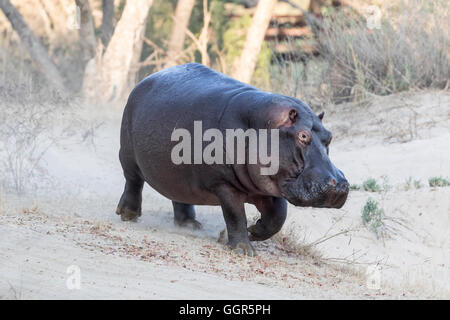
x=372 y=216
x=371 y=185
x=438 y=182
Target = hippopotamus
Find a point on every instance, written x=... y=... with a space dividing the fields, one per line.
x=181 y=95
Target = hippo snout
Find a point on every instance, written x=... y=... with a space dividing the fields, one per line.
x=335 y=194
x=329 y=191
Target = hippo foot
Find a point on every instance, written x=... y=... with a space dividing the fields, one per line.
x=243 y=248
x=257 y=235
x=189 y=223
x=127 y=214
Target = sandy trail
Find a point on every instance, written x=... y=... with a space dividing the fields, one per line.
x=120 y=261
x=67 y=218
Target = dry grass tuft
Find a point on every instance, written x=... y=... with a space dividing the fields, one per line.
x=285 y=242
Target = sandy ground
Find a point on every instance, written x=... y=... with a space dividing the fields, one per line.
x=65 y=218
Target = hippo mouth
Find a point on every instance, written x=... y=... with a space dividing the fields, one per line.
x=330 y=193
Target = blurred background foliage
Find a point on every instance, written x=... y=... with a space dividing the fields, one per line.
x=321 y=51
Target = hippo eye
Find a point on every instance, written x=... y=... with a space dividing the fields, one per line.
x=304 y=137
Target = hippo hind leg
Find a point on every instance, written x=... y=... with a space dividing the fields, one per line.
x=129 y=207
x=184 y=215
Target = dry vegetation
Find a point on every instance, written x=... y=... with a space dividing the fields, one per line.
x=408 y=50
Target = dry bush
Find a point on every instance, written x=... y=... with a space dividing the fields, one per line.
x=24 y=140
x=29 y=127
x=29 y=110
x=408 y=51
x=32 y=125
x=33 y=117
x=299 y=79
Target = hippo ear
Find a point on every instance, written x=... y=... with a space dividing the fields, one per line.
x=285 y=117
x=280 y=115
x=321 y=115
x=293 y=115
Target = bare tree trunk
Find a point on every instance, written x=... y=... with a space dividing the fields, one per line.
x=87 y=33
x=177 y=37
x=111 y=75
x=204 y=34
x=34 y=47
x=245 y=66
x=203 y=38
x=107 y=21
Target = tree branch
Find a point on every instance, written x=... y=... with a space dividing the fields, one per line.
x=34 y=47
x=87 y=33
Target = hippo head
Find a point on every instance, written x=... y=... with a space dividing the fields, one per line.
x=306 y=175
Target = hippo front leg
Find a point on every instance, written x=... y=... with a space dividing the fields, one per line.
x=232 y=203
x=184 y=215
x=273 y=215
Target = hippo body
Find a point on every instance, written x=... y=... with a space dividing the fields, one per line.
x=177 y=97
